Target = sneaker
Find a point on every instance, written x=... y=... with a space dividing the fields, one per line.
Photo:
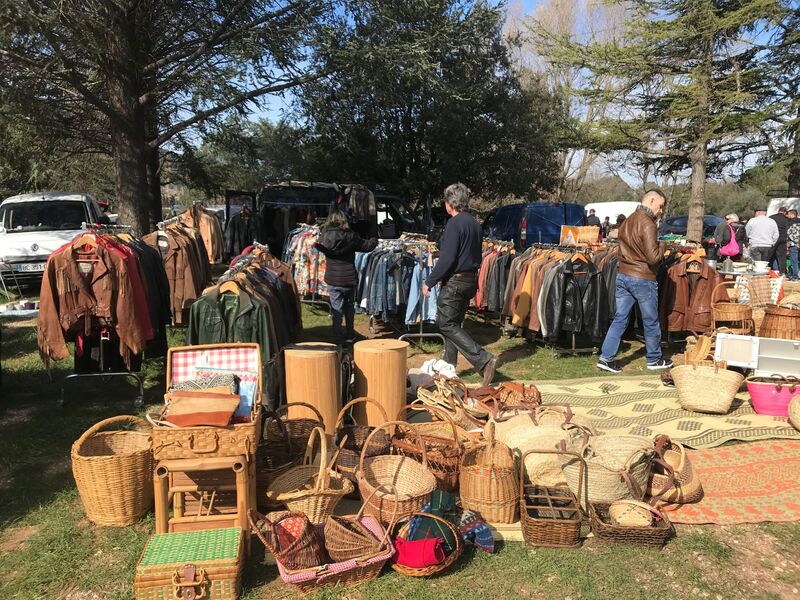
x=658 y=366
x=609 y=366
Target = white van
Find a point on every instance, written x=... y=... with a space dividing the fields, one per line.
x=612 y=209
x=790 y=203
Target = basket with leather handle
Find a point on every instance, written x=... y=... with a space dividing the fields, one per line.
x=356 y=436
x=794 y=412
x=510 y=399
x=706 y=389
x=673 y=478
x=451 y=397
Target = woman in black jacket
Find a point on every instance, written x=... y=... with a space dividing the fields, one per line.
x=339 y=244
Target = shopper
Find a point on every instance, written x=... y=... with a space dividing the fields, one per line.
x=457 y=273
x=614 y=231
x=606 y=227
x=639 y=257
x=722 y=235
x=780 y=254
x=339 y=244
x=592 y=220
x=793 y=242
x=762 y=235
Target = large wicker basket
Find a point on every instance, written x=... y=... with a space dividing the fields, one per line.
x=706 y=389
x=273 y=458
x=298 y=428
x=398 y=479
x=654 y=536
x=781 y=322
x=736 y=317
x=356 y=436
x=113 y=471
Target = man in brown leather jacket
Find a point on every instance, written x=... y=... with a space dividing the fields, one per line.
x=639 y=257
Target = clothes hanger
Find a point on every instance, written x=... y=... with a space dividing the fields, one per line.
x=230 y=286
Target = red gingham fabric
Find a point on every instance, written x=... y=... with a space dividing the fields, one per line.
x=234 y=358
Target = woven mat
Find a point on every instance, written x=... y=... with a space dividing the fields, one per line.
x=644 y=406
x=745 y=483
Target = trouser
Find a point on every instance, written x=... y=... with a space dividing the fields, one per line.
x=762 y=253
x=342 y=305
x=780 y=256
x=630 y=291
x=794 y=254
x=454 y=297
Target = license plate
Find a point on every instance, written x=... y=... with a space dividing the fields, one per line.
x=30 y=267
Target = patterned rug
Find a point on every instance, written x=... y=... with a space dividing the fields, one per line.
x=643 y=406
x=745 y=483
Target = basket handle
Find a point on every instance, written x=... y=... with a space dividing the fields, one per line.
x=670 y=479
x=446 y=523
x=395 y=423
x=285 y=409
x=361 y=400
x=270 y=416
x=560 y=452
x=392 y=521
x=447 y=392
x=661 y=444
x=633 y=486
x=724 y=284
x=547 y=408
x=434 y=412
x=253 y=517
x=308 y=457
x=118 y=420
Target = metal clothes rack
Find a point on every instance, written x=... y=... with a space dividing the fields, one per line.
x=162 y=225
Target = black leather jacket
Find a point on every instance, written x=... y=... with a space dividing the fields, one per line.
x=577 y=301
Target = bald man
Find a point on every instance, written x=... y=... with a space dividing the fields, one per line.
x=639 y=257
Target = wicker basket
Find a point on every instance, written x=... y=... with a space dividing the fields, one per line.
x=706 y=389
x=447 y=399
x=274 y=458
x=433 y=569
x=298 y=429
x=290 y=538
x=550 y=517
x=794 y=413
x=309 y=489
x=736 y=317
x=488 y=482
x=394 y=479
x=348 y=537
x=511 y=399
x=113 y=472
x=673 y=478
x=654 y=536
x=782 y=322
x=442 y=445
x=356 y=436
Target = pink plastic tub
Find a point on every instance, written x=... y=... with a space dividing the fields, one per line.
x=771 y=395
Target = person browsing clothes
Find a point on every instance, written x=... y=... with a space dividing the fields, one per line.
x=639 y=257
x=339 y=244
x=457 y=274
x=762 y=235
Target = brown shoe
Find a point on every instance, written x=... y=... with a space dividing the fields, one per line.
x=488 y=371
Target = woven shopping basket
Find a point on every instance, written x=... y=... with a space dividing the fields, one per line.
x=489 y=480
x=794 y=412
x=113 y=471
x=313 y=490
x=736 y=317
x=394 y=479
x=673 y=478
x=706 y=389
x=298 y=428
x=550 y=516
x=653 y=535
x=290 y=537
x=274 y=457
x=432 y=569
x=356 y=436
x=347 y=537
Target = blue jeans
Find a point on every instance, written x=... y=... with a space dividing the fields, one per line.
x=630 y=291
x=794 y=254
x=342 y=305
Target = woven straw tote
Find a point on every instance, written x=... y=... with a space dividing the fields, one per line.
x=673 y=478
x=706 y=389
x=794 y=412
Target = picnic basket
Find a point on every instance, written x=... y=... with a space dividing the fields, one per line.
x=395 y=480
x=313 y=490
x=356 y=436
x=488 y=481
x=432 y=569
x=550 y=516
x=654 y=535
x=206 y=563
x=238 y=439
x=113 y=471
x=273 y=458
x=706 y=389
x=290 y=537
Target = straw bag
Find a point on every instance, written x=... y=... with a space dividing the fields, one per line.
x=356 y=436
x=298 y=429
x=489 y=481
x=437 y=568
x=113 y=472
x=290 y=538
x=442 y=445
x=411 y=482
x=794 y=412
x=347 y=537
x=274 y=457
x=673 y=478
x=706 y=389
x=617 y=467
x=312 y=490
x=511 y=398
x=447 y=399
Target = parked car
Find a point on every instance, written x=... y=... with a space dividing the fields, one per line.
x=532 y=223
x=32 y=226
x=677 y=225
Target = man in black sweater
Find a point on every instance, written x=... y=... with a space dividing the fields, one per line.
x=457 y=272
x=781 y=251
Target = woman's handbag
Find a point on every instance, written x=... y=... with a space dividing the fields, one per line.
x=732 y=247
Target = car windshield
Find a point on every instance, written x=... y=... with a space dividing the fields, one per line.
x=43 y=216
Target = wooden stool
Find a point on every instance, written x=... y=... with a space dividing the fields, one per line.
x=171 y=481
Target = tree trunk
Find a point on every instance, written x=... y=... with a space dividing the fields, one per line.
x=154 y=186
x=794 y=165
x=697 y=200
x=131 y=178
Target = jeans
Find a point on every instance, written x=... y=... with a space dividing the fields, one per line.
x=763 y=253
x=630 y=291
x=794 y=254
x=342 y=305
x=454 y=297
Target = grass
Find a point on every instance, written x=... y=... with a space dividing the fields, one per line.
x=48 y=550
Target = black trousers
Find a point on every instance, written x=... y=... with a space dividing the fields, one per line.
x=780 y=256
x=451 y=307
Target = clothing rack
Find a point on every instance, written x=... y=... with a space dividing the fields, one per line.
x=421 y=334
x=162 y=225
x=105 y=227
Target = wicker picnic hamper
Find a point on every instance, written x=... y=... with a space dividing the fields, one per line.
x=273 y=458
x=113 y=472
x=433 y=569
x=395 y=479
x=192 y=564
x=654 y=535
x=772 y=395
x=298 y=429
x=291 y=538
x=706 y=389
x=442 y=445
x=238 y=439
x=781 y=322
x=673 y=479
x=356 y=436
x=489 y=480
x=794 y=412
x=446 y=397
x=347 y=536
x=313 y=490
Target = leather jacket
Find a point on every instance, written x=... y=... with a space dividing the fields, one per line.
x=576 y=301
x=685 y=309
x=639 y=250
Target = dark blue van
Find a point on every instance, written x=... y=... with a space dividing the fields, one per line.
x=532 y=223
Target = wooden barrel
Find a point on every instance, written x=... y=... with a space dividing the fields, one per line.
x=313 y=376
x=781 y=322
x=380 y=373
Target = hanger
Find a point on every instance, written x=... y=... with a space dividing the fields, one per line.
x=230 y=286
x=579 y=257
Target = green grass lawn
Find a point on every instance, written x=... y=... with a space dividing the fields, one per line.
x=48 y=550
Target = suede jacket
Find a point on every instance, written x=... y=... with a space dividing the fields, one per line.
x=686 y=299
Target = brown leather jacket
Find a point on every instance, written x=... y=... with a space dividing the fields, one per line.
x=639 y=250
x=72 y=302
x=210 y=230
x=685 y=307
